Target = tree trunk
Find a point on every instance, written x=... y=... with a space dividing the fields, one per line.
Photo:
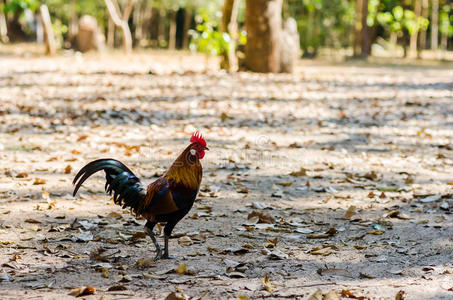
x=414 y=35
x=357 y=45
x=49 y=38
x=393 y=38
x=229 y=25
x=161 y=30
x=122 y=22
x=111 y=34
x=172 y=31
x=147 y=20
x=435 y=25
x=73 y=26
x=3 y=27
x=187 y=23
x=263 y=22
x=365 y=32
x=422 y=41
x=444 y=41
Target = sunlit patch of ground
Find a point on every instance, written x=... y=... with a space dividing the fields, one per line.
x=369 y=147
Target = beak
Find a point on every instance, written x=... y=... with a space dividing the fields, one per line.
x=205 y=148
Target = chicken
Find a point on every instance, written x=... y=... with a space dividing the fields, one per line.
x=168 y=199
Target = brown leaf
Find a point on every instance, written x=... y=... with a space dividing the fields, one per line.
x=268 y=286
x=350 y=212
x=32 y=221
x=185 y=241
x=396 y=214
x=316 y=296
x=82 y=291
x=105 y=273
x=176 y=296
x=117 y=288
x=262 y=218
x=181 y=269
x=331 y=295
x=370 y=175
x=332 y=231
x=82 y=137
x=39 y=181
x=349 y=294
x=401 y=295
x=68 y=169
x=321 y=251
x=284 y=183
x=367 y=276
x=138 y=235
x=376 y=232
x=301 y=172
x=22 y=175
x=145 y=262
x=359 y=247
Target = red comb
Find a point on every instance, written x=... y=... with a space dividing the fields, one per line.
x=198 y=138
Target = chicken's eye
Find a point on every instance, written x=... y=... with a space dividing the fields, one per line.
x=193 y=151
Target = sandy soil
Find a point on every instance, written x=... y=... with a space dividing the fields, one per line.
x=346 y=166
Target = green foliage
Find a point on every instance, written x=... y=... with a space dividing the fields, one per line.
x=19 y=6
x=322 y=22
x=206 y=38
x=399 y=18
x=446 y=21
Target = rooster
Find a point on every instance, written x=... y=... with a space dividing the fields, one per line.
x=168 y=199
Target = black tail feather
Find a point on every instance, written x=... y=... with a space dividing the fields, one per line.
x=127 y=189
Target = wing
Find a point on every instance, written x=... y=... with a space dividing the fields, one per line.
x=159 y=199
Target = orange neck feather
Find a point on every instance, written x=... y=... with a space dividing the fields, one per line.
x=186 y=169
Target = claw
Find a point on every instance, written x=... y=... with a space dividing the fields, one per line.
x=158 y=255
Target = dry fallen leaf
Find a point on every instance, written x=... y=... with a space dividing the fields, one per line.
x=349 y=294
x=185 y=241
x=32 y=221
x=332 y=231
x=401 y=295
x=331 y=295
x=68 y=169
x=117 y=288
x=316 y=296
x=301 y=172
x=262 y=218
x=176 y=296
x=321 y=251
x=284 y=183
x=82 y=291
x=39 y=181
x=182 y=269
x=268 y=286
x=350 y=212
x=22 y=175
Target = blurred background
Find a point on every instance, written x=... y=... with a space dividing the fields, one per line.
x=258 y=35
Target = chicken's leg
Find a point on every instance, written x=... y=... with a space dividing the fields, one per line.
x=167 y=233
x=149 y=231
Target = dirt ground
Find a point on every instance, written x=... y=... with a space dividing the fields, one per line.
x=345 y=167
